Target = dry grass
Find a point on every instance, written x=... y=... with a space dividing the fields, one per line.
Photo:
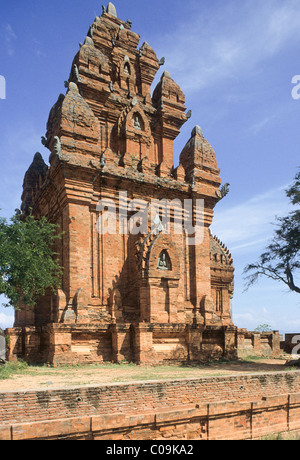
x=20 y=376
x=293 y=436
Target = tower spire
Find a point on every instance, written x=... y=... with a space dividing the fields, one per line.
x=111 y=9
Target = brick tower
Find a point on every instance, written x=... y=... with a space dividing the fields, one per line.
x=148 y=296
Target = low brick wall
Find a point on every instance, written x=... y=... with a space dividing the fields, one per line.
x=251 y=406
x=145 y=343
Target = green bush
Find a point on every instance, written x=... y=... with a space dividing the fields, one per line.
x=9 y=369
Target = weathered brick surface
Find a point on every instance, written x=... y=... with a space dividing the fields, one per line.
x=244 y=407
x=137 y=397
x=110 y=140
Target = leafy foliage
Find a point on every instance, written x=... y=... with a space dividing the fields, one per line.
x=281 y=261
x=28 y=264
x=7 y=370
x=263 y=328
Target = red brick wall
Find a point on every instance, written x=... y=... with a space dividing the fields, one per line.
x=232 y=420
x=251 y=406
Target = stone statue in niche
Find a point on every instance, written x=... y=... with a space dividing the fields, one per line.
x=164 y=262
x=137 y=123
x=127 y=69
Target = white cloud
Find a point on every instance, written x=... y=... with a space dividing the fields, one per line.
x=10 y=38
x=210 y=51
x=250 y=225
x=285 y=321
x=246 y=320
x=37 y=48
x=259 y=126
x=25 y=139
x=6 y=320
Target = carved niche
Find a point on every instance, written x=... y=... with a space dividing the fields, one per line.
x=134 y=134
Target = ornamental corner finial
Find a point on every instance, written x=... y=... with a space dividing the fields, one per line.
x=111 y=9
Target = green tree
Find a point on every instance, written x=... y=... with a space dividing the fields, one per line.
x=281 y=261
x=28 y=264
x=263 y=328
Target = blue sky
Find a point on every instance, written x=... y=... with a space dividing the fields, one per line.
x=234 y=59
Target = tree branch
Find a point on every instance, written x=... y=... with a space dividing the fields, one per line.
x=262 y=270
x=290 y=279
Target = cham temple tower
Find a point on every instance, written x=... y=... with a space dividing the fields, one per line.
x=149 y=297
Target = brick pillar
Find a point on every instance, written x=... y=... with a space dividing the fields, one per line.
x=25 y=316
x=143 y=344
x=230 y=343
x=59 y=306
x=14 y=346
x=115 y=342
x=173 y=295
x=256 y=343
x=144 y=301
x=202 y=278
x=60 y=344
x=31 y=344
x=79 y=245
x=121 y=343
x=159 y=292
x=240 y=339
x=275 y=344
x=194 y=340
